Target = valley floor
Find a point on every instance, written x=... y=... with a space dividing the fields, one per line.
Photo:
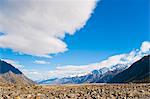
x=84 y=91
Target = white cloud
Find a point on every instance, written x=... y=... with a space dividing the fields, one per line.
x=37 y=27
x=14 y=63
x=35 y=74
x=74 y=70
x=41 y=62
x=145 y=47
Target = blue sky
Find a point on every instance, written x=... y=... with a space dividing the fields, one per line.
x=115 y=27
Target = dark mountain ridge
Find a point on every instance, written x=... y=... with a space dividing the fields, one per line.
x=137 y=72
x=6 y=67
x=12 y=75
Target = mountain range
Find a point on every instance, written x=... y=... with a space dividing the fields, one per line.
x=102 y=75
x=119 y=73
x=10 y=74
x=139 y=71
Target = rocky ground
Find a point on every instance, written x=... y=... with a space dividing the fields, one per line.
x=85 y=91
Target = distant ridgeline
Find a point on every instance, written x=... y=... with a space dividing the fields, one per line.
x=10 y=74
x=120 y=73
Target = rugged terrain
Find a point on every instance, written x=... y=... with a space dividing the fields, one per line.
x=85 y=91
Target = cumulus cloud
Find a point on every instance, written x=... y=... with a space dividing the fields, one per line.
x=41 y=62
x=14 y=63
x=145 y=47
x=37 y=27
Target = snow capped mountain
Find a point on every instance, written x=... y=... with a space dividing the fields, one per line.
x=116 y=64
x=137 y=72
x=102 y=75
x=103 y=70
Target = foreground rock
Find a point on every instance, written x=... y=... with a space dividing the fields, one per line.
x=92 y=91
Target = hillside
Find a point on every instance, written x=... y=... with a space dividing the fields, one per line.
x=10 y=74
x=137 y=72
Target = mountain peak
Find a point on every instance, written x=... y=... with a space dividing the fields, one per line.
x=10 y=74
x=6 y=67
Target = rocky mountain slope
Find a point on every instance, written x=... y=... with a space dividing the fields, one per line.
x=137 y=72
x=10 y=74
